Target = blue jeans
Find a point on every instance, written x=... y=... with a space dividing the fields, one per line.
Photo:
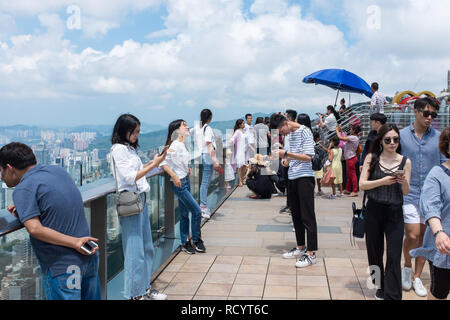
x=186 y=204
x=206 y=178
x=138 y=252
x=79 y=283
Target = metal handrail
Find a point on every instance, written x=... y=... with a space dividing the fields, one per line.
x=91 y=192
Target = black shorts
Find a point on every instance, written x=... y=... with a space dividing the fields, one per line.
x=440 y=281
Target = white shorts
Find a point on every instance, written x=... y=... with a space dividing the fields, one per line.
x=411 y=214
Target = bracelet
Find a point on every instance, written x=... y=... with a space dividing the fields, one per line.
x=437 y=232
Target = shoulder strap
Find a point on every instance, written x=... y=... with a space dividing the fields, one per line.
x=364 y=201
x=402 y=164
x=115 y=174
x=445 y=169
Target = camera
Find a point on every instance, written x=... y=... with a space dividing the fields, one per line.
x=89 y=246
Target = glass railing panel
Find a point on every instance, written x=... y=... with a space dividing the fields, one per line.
x=113 y=239
x=5 y=196
x=20 y=274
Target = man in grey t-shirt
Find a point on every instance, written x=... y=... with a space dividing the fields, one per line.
x=262 y=133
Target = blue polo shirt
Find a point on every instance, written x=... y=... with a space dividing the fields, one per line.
x=48 y=192
x=424 y=155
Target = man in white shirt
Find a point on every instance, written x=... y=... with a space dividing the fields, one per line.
x=249 y=131
x=378 y=100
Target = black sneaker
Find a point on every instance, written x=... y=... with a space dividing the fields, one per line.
x=379 y=295
x=199 y=247
x=188 y=248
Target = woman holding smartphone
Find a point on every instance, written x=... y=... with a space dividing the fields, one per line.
x=385 y=178
x=176 y=165
x=137 y=240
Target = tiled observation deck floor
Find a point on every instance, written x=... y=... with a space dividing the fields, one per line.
x=244 y=242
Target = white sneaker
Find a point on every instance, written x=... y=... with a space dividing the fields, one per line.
x=306 y=260
x=419 y=288
x=406 y=278
x=294 y=253
x=205 y=212
x=153 y=294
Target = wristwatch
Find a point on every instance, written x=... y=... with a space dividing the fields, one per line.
x=285 y=155
x=437 y=232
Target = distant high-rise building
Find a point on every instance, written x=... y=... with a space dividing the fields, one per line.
x=42 y=153
x=448 y=80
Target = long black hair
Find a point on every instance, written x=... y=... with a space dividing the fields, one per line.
x=237 y=125
x=173 y=126
x=125 y=125
x=305 y=120
x=333 y=110
x=205 y=116
x=376 y=148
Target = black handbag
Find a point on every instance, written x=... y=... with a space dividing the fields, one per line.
x=358 y=221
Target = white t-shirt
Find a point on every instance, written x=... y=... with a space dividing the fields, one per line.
x=127 y=166
x=378 y=101
x=202 y=135
x=330 y=122
x=249 y=131
x=177 y=159
x=262 y=131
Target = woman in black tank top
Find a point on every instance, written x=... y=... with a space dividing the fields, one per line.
x=385 y=179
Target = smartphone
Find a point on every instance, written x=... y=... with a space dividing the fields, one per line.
x=164 y=149
x=89 y=246
x=399 y=173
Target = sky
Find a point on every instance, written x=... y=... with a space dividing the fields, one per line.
x=84 y=62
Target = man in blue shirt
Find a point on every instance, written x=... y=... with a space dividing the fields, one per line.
x=49 y=205
x=419 y=143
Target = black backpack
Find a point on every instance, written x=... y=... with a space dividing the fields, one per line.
x=320 y=156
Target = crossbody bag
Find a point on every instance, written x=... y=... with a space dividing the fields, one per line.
x=128 y=203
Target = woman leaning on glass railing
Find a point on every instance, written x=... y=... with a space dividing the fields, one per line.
x=435 y=208
x=137 y=240
x=176 y=165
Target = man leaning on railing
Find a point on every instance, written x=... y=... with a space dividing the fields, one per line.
x=48 y=203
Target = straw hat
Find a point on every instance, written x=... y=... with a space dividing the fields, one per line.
x=258 y=159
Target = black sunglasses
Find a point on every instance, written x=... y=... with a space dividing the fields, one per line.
x=388 y=140
x=427 y=113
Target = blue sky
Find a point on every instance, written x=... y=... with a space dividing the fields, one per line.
x=169 y=59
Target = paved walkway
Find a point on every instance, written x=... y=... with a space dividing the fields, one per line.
x=244 y=242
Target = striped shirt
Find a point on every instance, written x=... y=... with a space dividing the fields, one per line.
x=301 y=142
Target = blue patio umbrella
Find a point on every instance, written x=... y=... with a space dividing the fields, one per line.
x=340 y=80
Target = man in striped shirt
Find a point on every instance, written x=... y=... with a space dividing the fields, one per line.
x=301 y=187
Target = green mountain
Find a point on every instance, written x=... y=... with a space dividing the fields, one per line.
x=156 y=139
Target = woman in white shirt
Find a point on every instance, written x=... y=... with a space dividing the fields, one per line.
x=239 y=141
x=331 y=120
x=205 y=143
x=137 y=240
x=176 y=165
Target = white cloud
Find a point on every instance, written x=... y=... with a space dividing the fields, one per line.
x=97 y=17
x=114 y=85
x=218 y=56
